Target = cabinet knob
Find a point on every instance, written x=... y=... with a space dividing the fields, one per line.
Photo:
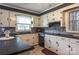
x=69 y=46
x=56 y=50
x=33 y=37
x=32 y=22
x=49 y=41
x=52 y=14
x=61 y=17
x=49 y=47
x=1 y=23
x=53 y=19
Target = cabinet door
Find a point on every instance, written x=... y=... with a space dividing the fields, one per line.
x=12 y=19
x=74 y=46
x=4 y=18
x=0 y=18
x=51 y=17
x=58 y=16
x=35 y=39
x=74 y=49
x=36 y=21
x=54 y=43
x=27 y=38
x=63 y=48
x=47 y=42
x=44 y=20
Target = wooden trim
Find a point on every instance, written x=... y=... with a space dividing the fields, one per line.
x=17 y=10
x=22 y=11
x=56 y=8
x=71 y=9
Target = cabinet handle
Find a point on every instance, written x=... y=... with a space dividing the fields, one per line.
x=1 y=13
x=57 y=43
x=49 y=41
x=71 y=48
x=49 y=46
x=77 y=41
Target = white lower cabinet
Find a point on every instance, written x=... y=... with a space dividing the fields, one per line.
x=62 y=45
x=31 y=39
x=47 y=42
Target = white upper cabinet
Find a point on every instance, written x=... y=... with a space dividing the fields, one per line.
x=12 y=19
x=7 y=18
x=55 y=16
x=4 y=18
x=44 y=20
x=36 y=21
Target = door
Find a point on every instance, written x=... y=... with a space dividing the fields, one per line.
x=4 y=18
x=74 y=46
x=47 y=42
x=54 y=43
x=28 y=38
x=36 y=21
x=74 y=49
x=44 y=20
x=35 y=39
x=12 y=19
x=63 y=48
x=51 y=17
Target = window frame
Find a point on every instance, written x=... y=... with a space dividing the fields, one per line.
x=22 y=23
x=68 y=29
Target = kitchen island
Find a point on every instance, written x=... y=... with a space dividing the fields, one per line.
x=13 y=46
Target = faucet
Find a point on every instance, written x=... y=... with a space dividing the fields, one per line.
x=7 y=32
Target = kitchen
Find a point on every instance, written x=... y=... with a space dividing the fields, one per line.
x=50 y=29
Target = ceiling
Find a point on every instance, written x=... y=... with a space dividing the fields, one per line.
x=33 y=7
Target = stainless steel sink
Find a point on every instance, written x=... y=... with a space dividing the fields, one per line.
x=7 y=38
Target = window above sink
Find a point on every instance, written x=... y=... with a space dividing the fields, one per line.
x=23 y=23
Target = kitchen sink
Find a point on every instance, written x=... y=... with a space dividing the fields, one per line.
x=7 y=38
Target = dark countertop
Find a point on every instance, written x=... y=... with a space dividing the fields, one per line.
x=64 y=34
x=13 y=46
x=17 y=33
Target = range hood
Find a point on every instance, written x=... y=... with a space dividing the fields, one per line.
x=53 y=24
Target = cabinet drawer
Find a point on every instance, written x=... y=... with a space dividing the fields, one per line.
x=64 y=39
x=75 y=41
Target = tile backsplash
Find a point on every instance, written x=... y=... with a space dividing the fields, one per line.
x=3 y=29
